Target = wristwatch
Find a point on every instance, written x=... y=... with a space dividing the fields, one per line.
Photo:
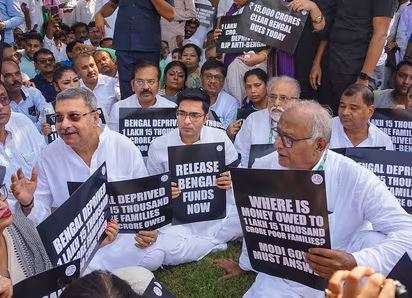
x=318 y=19
x=366 y=77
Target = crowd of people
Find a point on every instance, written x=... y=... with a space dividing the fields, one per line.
x=79 y=61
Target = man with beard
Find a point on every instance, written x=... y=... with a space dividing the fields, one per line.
x=367 y=225
x=25 y=100
x=45 y=62
x=260 y=127
x=81 y=31
x=105 y=88
x=352 y=128
x=95 y=35
x=213 y=74
x=145 y=84
x=391 y=98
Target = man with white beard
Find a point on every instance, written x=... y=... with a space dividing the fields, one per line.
x=259 y=127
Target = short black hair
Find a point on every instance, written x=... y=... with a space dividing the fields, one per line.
x=178 y=50
x=92 y=24
x=104 y=40
x=144 y=65
x=403 y=63
x=195 y=47
x=212 y=64
x=59 y=70
x=99 y=284
x=195 y=94
x=364 y=91
x=33 y=36
x=7 y=45
x=78 y=25
x=41 y=51
x=193 y=21
x=260 y=73
x=71 y=45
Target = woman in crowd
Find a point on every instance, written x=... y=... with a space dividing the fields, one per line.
x=191 y=58
x=22 y=253
x=64 y=77
x=256 y=98
x=256 y=89
x=174 y=80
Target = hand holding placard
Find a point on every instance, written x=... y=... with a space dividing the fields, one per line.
x=325 y=261
x=145 y=238
x=112 y=230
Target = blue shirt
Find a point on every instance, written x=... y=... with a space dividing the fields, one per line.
x=12 y=16
x=27 y=66
x=32 y=104
x=46 y=88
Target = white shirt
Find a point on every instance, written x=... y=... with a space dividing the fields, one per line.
x=36 y=14
x=158 y=162
x=84 y=11
x=225 y=108
x=404 y=30
x=133 y=102
x=255 y=130
x=58 y=53
x=106 y=91
x=21 y=149
x=111 y=20
x=376 y=137
x=59 y=163
x=356 y=199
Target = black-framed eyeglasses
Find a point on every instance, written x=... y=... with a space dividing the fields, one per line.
x=140 y=82
x=288 y=141
x=192 y=115
x=72 y=116
x=4 y=100
x=46 y=60
x=4 y=192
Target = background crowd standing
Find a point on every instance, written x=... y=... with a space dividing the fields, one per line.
x=69 y=58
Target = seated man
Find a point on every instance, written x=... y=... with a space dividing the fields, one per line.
x=352 y=127
x=190 y=242
x=20 y=140
x=259 y=127
x=145 y=84
x=392 y=98
x=45 y=62
x=106 y=89
x=25 y=100
x=213 y=74
x=81 y=149
x=106 y=64
x=368 y=227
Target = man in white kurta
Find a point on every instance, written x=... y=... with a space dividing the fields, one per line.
x=190 y=242
x=145 y=84
x=257 y=128
x=375 y=138
x=352 y=127
x=81 y=149
x=367 y=225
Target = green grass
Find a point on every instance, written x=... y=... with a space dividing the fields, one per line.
x=200 y=279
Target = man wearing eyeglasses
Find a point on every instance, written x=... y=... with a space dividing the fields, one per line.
x=81 y=149
x=259 y=127
x=25 y=100
x=21 y=142
x=145 y=84
x=105 y=88
x=44 y=62
x=367 y=225
x=213 y=74
x=191 y=242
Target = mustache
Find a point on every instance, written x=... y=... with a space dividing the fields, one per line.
x=17 y=83
x=68 y=130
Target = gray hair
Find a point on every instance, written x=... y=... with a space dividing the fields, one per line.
x=320 y=118
x=286 y=79
x=79 y=92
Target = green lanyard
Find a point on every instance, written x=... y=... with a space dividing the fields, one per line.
x=321 y=166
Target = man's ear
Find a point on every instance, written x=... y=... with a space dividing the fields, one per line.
x=371 y=110
x=321 y=144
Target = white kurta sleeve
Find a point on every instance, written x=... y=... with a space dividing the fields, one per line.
x=243 y=141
